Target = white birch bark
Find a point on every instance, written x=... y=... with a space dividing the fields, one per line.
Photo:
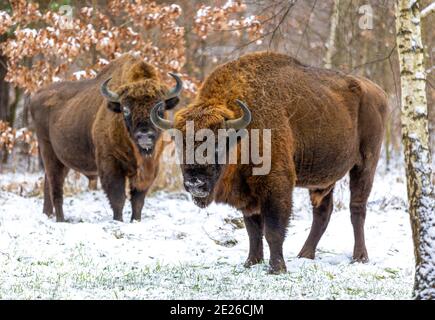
x=415 y=134
x=330 y=46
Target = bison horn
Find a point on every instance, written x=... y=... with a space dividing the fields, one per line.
x=175 y=92
x=157 y=120
x=241 y=122
x=109 y=95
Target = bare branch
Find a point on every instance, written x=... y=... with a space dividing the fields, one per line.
x=306 y=27
x=426 y=11
x=287 y=11
x=376 y=60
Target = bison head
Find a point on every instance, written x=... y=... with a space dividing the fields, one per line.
x=201 y=178
x=134 y=102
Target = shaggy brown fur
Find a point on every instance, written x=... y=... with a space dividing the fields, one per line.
x=324 y=124
x=78 y=129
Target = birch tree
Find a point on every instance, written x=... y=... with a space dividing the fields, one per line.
x=332 y=34
x=415 y=135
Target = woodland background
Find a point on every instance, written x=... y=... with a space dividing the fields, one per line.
x=45 y=41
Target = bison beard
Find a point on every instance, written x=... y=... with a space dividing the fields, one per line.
x=324 y=124
x=108 y=135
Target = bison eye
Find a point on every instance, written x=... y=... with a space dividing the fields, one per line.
x=126 y=111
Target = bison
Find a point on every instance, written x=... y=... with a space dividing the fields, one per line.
x=323 y=125
x=85 y=126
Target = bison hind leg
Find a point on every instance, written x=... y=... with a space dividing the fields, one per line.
x=322 y=201
x=55 y=173
x=361 y=181
x=48 y=204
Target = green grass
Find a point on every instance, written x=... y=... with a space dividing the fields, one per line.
x=80 y=276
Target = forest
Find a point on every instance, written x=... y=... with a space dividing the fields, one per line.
x=94 y=206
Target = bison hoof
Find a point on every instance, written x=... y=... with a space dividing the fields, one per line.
x=307 y=254
x=360 y=258
x=252 y=261
x=60 y=219
x=277 y=268
x=277 y=271
x=360 y=255
x=48 y=214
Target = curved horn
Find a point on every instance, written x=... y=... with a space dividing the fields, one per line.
x=241 y=122
x=109 y=95
x=175 y=91
x=157 y=120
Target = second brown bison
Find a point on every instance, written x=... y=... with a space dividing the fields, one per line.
x=107 y=135
x=323 y=124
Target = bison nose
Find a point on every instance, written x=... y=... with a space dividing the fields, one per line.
x=194 y=183
x=145 y=139
x=148 y=135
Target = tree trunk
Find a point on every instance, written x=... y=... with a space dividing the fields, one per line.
x=330 y=47
x=415 y=134
x=4 y=90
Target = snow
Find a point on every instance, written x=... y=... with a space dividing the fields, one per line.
x=411 y=3
x=420 y=76
x=202 y=12
x=103 y=61
x=174 y=64
x=28 y=32
x=105 y=41
x=420 y=110
x=181 y=251
x=5 y=19
x=132 y=32
x=79 y=74
x=415 y=20
x=175 y=8
x=228 y=4
x=249 y=20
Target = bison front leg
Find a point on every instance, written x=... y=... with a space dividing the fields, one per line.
x=137 y=202
x=113 y=183
x=254 y=225
x=276 y=212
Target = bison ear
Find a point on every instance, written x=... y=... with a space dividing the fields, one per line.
x=171 y=103
x=114 y=106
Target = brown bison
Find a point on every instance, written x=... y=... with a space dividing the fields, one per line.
x=323 y=124
x=108 y=135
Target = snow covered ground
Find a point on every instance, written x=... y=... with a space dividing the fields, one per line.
x=180 y=251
